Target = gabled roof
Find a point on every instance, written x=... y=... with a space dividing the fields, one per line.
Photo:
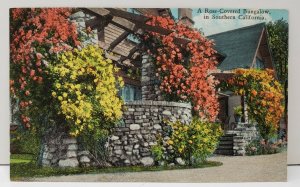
x=238 y=45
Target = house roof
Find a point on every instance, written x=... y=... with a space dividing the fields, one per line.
x=238 y=46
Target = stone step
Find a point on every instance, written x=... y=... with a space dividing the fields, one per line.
x=228 y=135
x=227 y=142
x=226 y=138
x=225 y=147
x=224 y=152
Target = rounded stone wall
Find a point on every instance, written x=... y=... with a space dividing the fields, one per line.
x=131 y=141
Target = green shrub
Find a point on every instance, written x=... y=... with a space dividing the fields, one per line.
x=261 y=147
x=25 y=142
x=193 y=142
x=158 y=151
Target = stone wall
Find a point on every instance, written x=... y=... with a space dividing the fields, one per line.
x=130 y=143
x=244 y=134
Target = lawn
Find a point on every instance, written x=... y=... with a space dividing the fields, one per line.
x=20 y=158
x=22 y=168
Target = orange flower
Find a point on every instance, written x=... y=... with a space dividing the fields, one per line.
x=254 y=92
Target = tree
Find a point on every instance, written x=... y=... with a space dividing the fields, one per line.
x=278 y=42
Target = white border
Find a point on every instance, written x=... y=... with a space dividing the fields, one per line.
x=294 y=67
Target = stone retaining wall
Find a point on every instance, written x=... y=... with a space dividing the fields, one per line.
x=130 y=143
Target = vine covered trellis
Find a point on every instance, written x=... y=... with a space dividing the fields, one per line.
x=184 y=70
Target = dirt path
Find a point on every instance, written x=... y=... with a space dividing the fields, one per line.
x=234 y=169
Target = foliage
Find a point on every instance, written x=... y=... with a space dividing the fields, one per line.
x=25 y=142
x=158 y=151
x=278 y=42
x=54 y=82
x=37 y=35
x=95 y=141
x=263 y=95
x=261 y=147
x=32 y=170
x=183 y=70
x=192 y=142
x=85 y=89
x=238 y=110
x=133 y=73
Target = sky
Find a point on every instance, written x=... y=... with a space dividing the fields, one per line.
x=212 y=26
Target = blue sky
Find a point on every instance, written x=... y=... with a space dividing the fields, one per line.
x=213 y=26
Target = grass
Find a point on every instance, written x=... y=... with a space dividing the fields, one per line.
x=20 y=171
x=20 y=158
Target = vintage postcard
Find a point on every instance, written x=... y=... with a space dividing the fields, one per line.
x=148 y=95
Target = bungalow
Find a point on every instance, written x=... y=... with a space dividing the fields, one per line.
x=130 y=143
x=246 y=47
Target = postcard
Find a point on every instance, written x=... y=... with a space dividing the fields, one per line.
x=148 y=94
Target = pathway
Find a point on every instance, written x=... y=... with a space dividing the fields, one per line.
x=234 y=169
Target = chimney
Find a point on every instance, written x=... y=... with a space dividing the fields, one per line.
x=185 y=16
x=164 y=12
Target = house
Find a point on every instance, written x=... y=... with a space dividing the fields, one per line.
x=130 y=142
x=246 y=47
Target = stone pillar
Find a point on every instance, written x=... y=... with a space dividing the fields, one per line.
x=80 y=18
x=61 y=150
x=149 y=81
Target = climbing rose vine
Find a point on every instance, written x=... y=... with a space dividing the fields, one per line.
x=58 y=81
x=183 y=70
x=37 y=35
x=263 y=95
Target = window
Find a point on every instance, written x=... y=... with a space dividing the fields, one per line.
x=130 y=93
x=259 y=63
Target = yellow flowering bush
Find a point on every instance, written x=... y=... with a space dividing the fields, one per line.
x=86 y=89
x=193 y=142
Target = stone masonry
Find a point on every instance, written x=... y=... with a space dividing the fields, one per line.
x=63 y=151
x=131 y=143
x=79 y=18
x=243 y=135
x=149 y=81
